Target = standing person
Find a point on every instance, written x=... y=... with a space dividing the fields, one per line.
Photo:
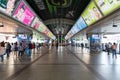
x=15 y=49
x=8 y=49
x=2 y=52
x=33 y=47
x=56 y=45
x=37 y=45
x=24 y=46
x=82 y=45
x=29 y=49
x=12 y=48
x=114 y=47
x=106 y=47
x=20 y=49
x=109 y=48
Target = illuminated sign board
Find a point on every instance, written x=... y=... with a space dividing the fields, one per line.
x=70 y=34
x=7 y=6
x=108 y=6
x=36 y=23
x=42 y=28
x=46 y=31
x=91 y=14
x=80 y=24
x=24 y=14
x=74 y=29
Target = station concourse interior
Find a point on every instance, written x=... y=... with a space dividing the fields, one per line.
x=59 y=39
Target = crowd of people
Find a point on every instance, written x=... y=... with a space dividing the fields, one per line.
x=18 y=49
x=109 y=48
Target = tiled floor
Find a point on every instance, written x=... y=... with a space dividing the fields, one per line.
x=70 y=63
x=100 y=64
x=11 y=66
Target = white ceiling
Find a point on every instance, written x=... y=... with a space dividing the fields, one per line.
x=11 y=27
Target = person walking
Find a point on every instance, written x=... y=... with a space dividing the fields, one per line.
x=114 y=47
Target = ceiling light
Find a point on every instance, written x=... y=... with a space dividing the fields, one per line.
x=114 y=25
x=1 y=24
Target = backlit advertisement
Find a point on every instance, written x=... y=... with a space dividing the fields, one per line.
x=81 y=24
x=50 y=35
x=42 y=28
x=53 y=37
x=74 y=29
x=24 y=14
x=36 y=23
x=36 y=35
x=46 y=31
x=7 y=6
x=107 y=6
x=70 y=34
x=91 y=14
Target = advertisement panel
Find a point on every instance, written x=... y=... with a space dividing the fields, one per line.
x=81 y=24
x=41 y=28
x=46 y=31
x=51 y=35
x=7 y=6
x=36 y=23
x=108 y=6
x=24 y=14
x=91 y=14
x=74 y=29
x=70 y=34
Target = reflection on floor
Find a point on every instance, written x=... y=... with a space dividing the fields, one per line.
x=66 y=63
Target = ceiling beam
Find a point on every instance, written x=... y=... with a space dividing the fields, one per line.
x=56 y=20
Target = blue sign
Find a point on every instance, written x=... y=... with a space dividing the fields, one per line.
x=72 y=30
x=81 y=24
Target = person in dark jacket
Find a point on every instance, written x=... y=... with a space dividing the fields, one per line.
x=56 y=45
x=30 y=49
x=82 y=45
x=8 y=49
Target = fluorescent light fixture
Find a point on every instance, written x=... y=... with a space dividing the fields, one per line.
x=114 y=25
x=1 y=24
